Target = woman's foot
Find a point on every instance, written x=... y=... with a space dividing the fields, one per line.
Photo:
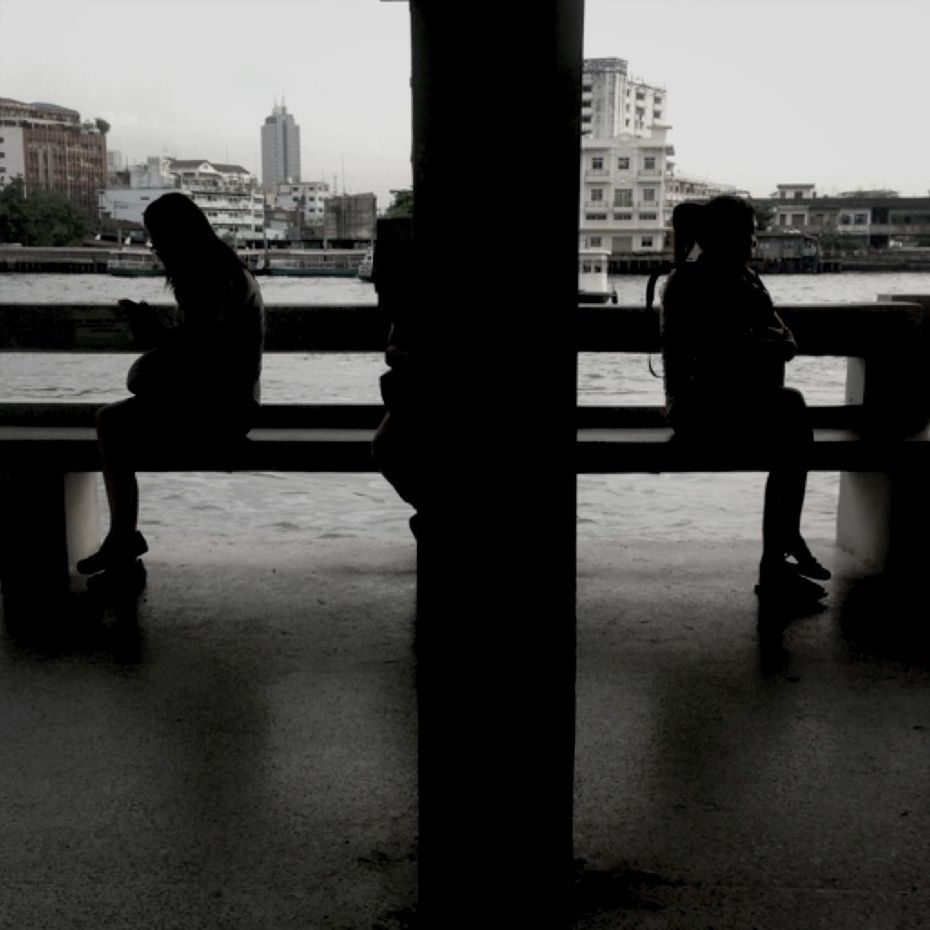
x=783 y=582
x=805 y=564
x=114 y=553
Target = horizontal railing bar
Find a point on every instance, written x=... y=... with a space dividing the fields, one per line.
x=843 y=329
x=361 y=416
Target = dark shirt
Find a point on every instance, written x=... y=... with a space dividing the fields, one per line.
x=212 y=360
x=722 y=341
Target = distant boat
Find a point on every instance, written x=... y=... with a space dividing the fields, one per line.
x=593 y=285
x=326 y=263
x=134 y=263
x=366 y=265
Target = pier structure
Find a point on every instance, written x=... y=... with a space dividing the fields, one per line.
x=727 y=760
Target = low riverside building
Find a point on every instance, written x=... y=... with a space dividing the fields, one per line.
x=51 y=149
x=305 y=199
x=227 y=194
x=857 y=220
x=349 y=220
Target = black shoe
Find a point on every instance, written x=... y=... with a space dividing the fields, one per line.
x=113 y=554
x=785 y=584
x=126 y=580
x=805 y=564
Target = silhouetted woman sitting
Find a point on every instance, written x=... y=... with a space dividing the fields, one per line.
x=199 y=386
x=724 y=350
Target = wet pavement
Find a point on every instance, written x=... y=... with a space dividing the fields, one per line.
x=236 y=749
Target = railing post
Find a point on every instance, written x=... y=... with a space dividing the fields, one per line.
x=882 y=517
x=496 y=550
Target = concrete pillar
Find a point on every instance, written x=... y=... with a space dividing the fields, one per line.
x=882 y=517
x=496 y=130
x=49 y=522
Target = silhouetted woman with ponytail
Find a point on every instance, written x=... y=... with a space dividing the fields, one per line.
x=198 y=387
x=724 y=350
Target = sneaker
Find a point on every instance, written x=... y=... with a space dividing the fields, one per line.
x=113 y=554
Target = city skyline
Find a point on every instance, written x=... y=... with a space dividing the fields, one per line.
x=759 y=94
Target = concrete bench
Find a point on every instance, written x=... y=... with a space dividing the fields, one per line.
x=879 y=440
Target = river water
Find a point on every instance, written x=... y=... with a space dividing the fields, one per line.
x=303 y=508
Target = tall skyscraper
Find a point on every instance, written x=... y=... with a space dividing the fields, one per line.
x=280 y=148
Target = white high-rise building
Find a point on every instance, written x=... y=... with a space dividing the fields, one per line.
x=280 y=149
x=614 y=103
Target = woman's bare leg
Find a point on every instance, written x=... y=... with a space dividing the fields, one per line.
x=115 y=429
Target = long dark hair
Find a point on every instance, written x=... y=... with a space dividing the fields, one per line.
x=192 y=253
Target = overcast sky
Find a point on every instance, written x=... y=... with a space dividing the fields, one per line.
x=832 y=92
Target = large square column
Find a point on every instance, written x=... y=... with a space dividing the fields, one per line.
x=496 y=147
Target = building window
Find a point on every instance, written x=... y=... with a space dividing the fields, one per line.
x=597 y=163
x=650 y=215
x=623 y=217
x=626 y=122
x=594 y=242
x=623 y=197
x=646 y=242
x=649 y=162
x=597 y=195
x=861 y=219
x=623 y=164
x=797 y=219
x=649 y=195
x=595 y=216
x=585 y=117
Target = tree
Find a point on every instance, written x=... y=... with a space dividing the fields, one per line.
x=44 y=218
x=402 y=205
x=765 y=213
x=102 y=125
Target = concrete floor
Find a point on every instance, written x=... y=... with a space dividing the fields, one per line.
x=238 y=750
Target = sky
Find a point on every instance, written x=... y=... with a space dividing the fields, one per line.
x=760 y=92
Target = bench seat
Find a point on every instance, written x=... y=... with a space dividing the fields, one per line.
x=337 y=438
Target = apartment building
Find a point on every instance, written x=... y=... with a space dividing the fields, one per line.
x=306 y=197
x=52 y=149
x=227 y=194
x=624 y=203
x=613 y=102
